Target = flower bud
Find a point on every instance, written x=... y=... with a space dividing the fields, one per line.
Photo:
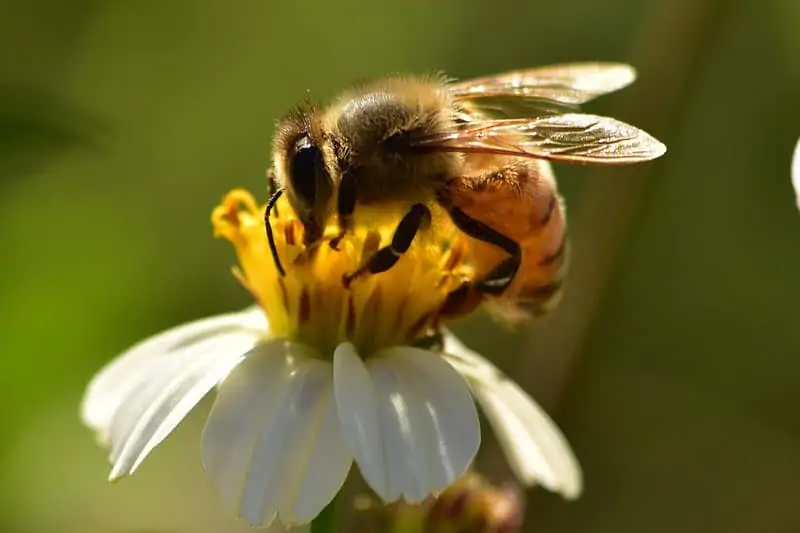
x=471 y=505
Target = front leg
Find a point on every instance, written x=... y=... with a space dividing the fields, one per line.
x=345 y=207
x=272 y=183
x=418 y=216
x=273 y=249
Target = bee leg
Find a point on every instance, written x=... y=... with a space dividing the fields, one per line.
x=270 y=237
x=272 y=186
x=345 y=206
x=460 y=301
x=385 y=258
x=503 y=274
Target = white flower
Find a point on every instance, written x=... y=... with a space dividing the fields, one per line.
x=316 y=377
x=287 y=424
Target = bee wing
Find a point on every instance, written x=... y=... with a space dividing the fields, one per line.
x=572 y=138
x=499 y=107
x=571 y=84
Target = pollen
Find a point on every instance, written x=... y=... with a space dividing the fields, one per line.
x=315 y=301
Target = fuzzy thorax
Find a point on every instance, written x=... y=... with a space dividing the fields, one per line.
x=311 y=303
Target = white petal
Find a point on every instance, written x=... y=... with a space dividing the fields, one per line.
x=117 y=379
x=166 y=392
x=536 y=449
x=244 y=401
x=445 y=397
x=325 y=466
x=273 y=443
x=402 y=432
x=411 y=422
x=796 y=172
x=358 y=412
x=441 y=415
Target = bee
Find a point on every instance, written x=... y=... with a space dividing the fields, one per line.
x=477 y=152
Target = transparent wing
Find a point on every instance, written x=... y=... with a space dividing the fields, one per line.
x=572 y=138
x=571 y=84
x=500 y=107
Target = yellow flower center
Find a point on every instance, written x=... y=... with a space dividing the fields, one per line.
x=312 y=304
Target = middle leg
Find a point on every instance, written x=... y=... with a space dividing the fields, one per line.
x=385 y=258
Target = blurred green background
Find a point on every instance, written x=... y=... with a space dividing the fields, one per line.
x=673 y=364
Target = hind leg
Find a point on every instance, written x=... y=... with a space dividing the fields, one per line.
x=501 y=276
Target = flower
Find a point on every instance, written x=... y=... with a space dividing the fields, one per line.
x=471 y=505
x=316 y=376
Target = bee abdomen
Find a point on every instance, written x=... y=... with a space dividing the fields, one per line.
x=545 y=254
x=536 y=291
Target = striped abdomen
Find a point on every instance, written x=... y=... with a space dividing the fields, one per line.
x=520 y=200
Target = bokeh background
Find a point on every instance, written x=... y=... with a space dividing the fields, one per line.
x=673 y=364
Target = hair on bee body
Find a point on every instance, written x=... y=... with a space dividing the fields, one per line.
x=477 y=150
x=373 y=129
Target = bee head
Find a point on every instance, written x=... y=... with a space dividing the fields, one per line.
x=300 y=167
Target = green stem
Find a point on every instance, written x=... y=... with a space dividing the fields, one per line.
x=325 y=522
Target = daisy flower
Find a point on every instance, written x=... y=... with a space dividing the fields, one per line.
x=316 y=376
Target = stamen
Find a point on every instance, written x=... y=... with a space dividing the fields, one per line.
x=311 y=301
x=372 y=242
x=417 y=327
x=398 y=317
x=350 y=327
x=454 y=257
x=304 y=313
x=289 y=235
x=284 y=296
x=240 y=277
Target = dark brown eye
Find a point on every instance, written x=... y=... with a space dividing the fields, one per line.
x=306 y=167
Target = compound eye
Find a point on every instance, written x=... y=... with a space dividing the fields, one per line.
x=306 y=166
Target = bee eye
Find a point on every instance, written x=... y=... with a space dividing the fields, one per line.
x=305 y=168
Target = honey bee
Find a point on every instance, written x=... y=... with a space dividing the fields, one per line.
x=476 y=151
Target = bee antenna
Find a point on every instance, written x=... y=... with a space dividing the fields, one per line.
x=270 y=237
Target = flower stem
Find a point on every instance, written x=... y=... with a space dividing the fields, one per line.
x=325 y=522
